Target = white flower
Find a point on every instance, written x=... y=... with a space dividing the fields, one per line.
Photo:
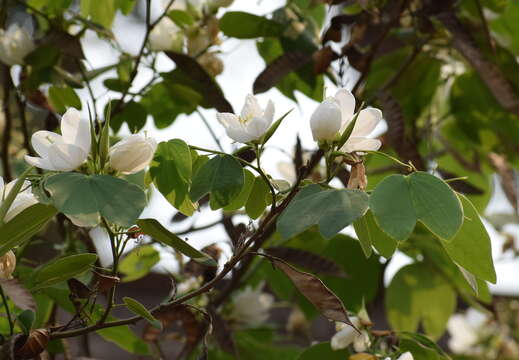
x=252 y=123
x=333 y=115
x=132 y=154
x=251 y=306
x=347 y=335
x=465 y=331
x=22 y=201
x=63 y=152
x=166 y=35
x=406 y=356
x=7 y=265
x=15 y=44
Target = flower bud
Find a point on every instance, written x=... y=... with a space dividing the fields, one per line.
x=15 y=44
x=326 y=120
x=7 y=265
x=166 y=36
x=132 y=154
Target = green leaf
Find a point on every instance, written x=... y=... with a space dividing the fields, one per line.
x=257 y=201
x=63 y=97
x=181 y=18
x=26 y=319
x=471 y=247
x=24 y=226
x=243 y=25
x=323 y=351
x=332 y=210
x=398 y=202
x=139 y=309
x=171 y=170
x=242 y=198
x=62 y=269
x=133 y=114
x=153 y=228
x=100 y=13
x=222 y=177
x=115 y=199
x=369 y=233
x=138 y=262
x=418 y=295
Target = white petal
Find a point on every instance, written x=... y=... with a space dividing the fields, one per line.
x=20 y=203
x=76 y=131
x=361 y=143
x=326 y=121
x=132 y=154
x=343 y=338
x=251 y=107
x=268 y=115
x=239 y=134
x=66 y=157
x=406 y=356
x=39 y=162
x=1 y=188
x=42 y=140
x=346 y=102
x=227 y=119
x=366 y=122
x=256 y=127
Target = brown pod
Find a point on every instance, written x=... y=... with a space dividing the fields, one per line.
x=34 y=345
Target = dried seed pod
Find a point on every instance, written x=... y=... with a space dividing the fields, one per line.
x=7 y=265
x=34 y=344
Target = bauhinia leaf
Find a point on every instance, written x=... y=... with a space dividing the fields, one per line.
x=62 y=269
x=308 y=260
x=139 y=309
x=158 y=232
x=328 y=304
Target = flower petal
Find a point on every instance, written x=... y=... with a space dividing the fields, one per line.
x=361 y=144
x=66 y=157
x=227 y=119
x=76 y=131
x=42 y=140
x=326 y=120
x=346 y=102
x=256 y=127
x=366 y=122
x=39 y=162
x=268 y=115
x=20 y=203
x=251 y=107
x=239 y=134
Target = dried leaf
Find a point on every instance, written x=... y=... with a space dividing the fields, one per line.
x=507 y=176
x=78 y=289
x=323 y=58
x=18 y=294
x=278 y=68
x=358 y=179
x=328 y=304
x=34 y=344
x=205 y=83
x=308 y=260
x=223 y=334
x=197 y=269
x=105 y=282
x=334 y=32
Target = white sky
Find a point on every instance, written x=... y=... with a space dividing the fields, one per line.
x=242 y=65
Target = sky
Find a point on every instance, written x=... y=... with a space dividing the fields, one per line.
x=242 y=65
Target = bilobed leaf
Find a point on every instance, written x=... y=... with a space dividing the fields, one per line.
x=139 y=309
x=257 y=201
x=171 y=170
x=115 y=199
x=398 y=202
x=242 y=198
x=61 y=270
x=138 y=262
x=158 y=232
x=222 y=177
x=471 y=247
x=18 y=294
x=328 y=304
x=244 y=25
x=25 y=225
x=311 y=261
x=332 y=210
x=368 y=232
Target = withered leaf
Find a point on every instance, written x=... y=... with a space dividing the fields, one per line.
x=34 y=344
x=328 y=304
x=105 y=282
x=277 y=69
x=18 y=294
x=78 y=289
x=323 y=58
x=223 y=333
x=308 y=260
x=205 y=84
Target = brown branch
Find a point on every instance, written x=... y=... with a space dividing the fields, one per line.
x=6 y=138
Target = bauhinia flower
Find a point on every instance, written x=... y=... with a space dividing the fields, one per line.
x=347 y=335
x=466 y=330
x=7 y=265
x=132 y=154
x=251 y=306
x=333 y=115
x=63 y=152
x=406 y=356
x=252 y=123
x=166 y=35
x=22 y=201
x=15 y=44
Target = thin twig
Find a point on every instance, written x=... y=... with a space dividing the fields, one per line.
x=6 y=139
x=206 y=123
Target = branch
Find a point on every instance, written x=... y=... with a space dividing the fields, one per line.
x=6 y=139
